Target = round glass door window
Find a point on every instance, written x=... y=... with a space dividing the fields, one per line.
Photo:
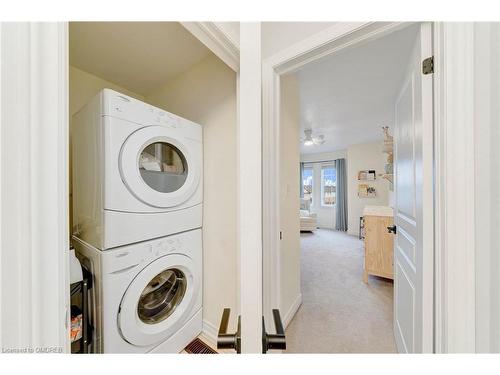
x=161 y=296
x=163 y=167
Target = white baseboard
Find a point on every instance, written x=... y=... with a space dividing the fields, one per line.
x=209 y=333
x=287 y=318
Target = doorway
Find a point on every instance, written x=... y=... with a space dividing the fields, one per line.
x=337 y=105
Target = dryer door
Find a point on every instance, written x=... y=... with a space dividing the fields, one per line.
x=159 y=300
x=157 y=168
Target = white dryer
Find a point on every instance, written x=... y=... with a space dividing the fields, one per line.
x=137 y=172
x=148 y=296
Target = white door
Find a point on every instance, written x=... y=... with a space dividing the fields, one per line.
x=413 y=211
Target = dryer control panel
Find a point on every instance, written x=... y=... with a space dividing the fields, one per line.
x=127 y=108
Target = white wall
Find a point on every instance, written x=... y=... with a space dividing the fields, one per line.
x=361 y=157
x=83 y=86
x=340 y=154
x=277 y=36
x=487 y=201
x=206 y=94
x=290 y=196
x=494 y=184
x=325 y=214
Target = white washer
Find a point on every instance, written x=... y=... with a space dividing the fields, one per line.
x=137 y=172
x=148 y=296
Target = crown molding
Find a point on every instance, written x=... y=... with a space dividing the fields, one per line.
x=215 y=39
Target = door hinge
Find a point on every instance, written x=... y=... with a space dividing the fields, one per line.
x=428 y=65
x=281 y=235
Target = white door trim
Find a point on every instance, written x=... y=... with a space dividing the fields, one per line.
x=455 y=207
x=35 y=236
x=249 y=146
x=217 y=41
x=327 y=42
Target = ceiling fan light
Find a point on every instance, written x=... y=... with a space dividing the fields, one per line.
x=308 y=142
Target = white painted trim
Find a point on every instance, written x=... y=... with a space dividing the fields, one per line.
x=339 y=36
x=215 y=39
x=209 y=332
x=290 y=314
x=1 y=179
x=35 y=241
x=455 y=211
x=428 y=209
x=271 y=271
x=249 y=146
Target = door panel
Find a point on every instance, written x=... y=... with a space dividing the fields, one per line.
x=413 y=170
x=406 y=244
x=404 y=309
x=405 y=139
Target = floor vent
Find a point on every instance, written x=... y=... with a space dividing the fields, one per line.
x=199 y=347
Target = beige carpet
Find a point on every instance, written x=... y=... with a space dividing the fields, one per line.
x=339 y=313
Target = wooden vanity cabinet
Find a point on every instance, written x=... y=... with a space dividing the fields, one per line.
x=379 y=245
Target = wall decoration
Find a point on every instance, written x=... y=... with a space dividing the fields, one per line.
x=388 y=140
x=366 y=191
x=368 y=175
x=389 y=150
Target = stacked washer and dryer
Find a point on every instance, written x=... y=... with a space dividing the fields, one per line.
x=137 y=218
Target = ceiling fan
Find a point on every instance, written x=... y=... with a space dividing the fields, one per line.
x=309 y=140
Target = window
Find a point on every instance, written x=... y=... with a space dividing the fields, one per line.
x=163 y=167
x=307 y=183
x=328 y=185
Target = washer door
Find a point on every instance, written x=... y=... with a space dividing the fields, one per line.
x=158 y=301
x=158 y=169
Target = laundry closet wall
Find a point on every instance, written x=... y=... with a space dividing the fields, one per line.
x=84 y=86
x=206 y=94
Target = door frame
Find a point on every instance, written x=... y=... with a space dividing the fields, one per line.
x=452 y=288
x=34 y=240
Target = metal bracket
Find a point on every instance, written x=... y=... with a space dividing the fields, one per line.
x=428 y=65
x=273 y=341
x=229 y=340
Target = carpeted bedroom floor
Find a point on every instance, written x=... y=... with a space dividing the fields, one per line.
x=339 y=313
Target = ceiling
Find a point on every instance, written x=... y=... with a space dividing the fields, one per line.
x=350 y=95
x=139 y=56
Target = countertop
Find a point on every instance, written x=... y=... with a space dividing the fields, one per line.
x=378 y=211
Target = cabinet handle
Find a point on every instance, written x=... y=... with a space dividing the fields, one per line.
x=392 y=229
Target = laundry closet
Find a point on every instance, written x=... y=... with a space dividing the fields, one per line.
x=152 y=183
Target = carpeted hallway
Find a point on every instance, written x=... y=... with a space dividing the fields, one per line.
x=339 y=313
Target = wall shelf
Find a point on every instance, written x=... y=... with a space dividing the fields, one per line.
x=388 y=176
